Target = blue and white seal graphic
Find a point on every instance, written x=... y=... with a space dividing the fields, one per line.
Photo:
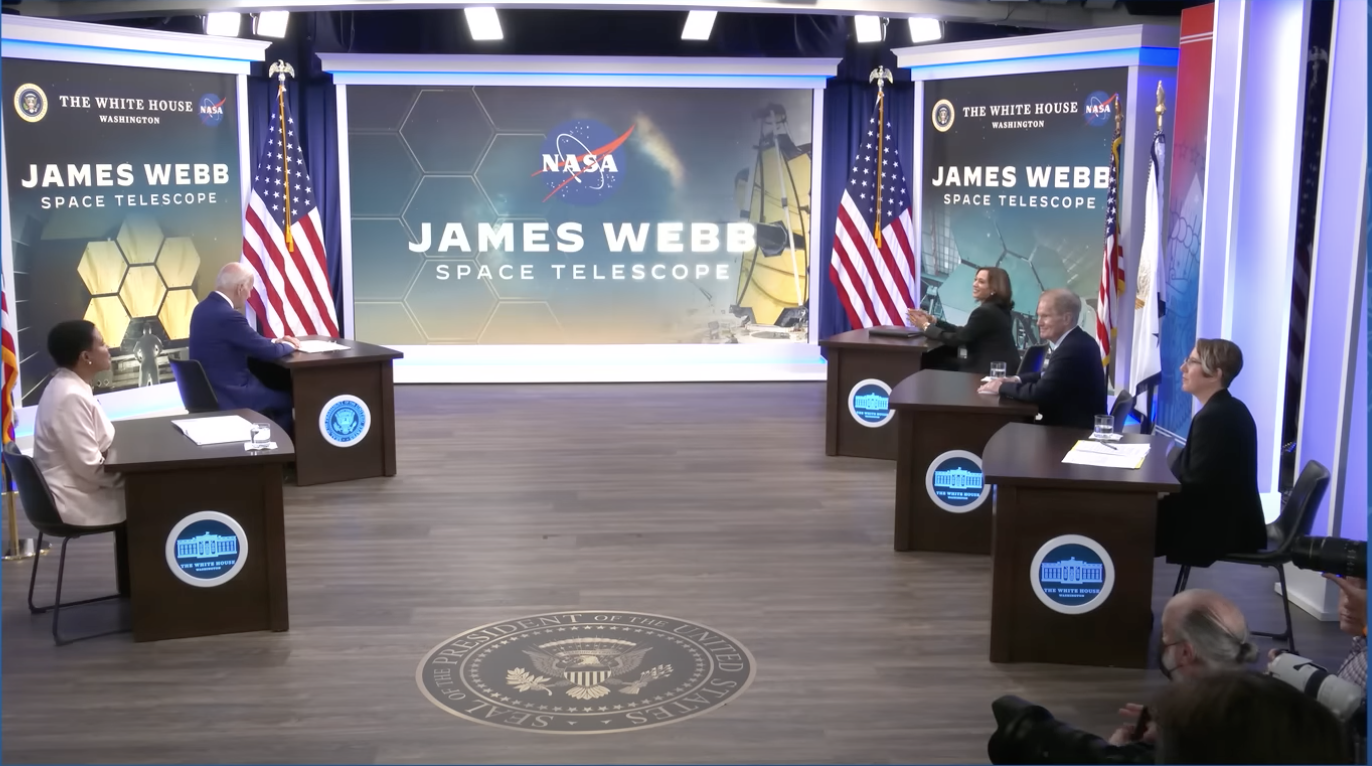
x=207 y=548
x=870 y=403
x=1072 y=574
x=344 y=420
x=955 y=482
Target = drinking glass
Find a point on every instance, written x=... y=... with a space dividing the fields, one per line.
x=998 y=369
x=1105 y=426
x=261 y=433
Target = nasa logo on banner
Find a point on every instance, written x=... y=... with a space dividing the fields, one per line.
x=870 y=403
x=1072 y=574
x=955 y=481
x=1099 y=108
x=344 y=420
x=943 y=115
x=211 y=109
x=30 y=102
x=579 y=162
x=207 y=548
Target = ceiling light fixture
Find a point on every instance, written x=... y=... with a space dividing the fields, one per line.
x=868 y=28
x=925 y=30
x=483 y=23
x=223 y=24
x=273 y=23
x=698 y=25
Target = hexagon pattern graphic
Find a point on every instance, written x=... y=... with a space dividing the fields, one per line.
x=400 y=299
x=129 y=277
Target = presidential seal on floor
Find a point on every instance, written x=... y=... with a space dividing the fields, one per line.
x=588 y=672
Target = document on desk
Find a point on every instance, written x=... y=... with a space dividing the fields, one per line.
x=1087 y=452
x=316 y=346
x=221 y=430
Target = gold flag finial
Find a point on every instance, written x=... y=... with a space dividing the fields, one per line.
x=1160 y=109
x=281 y=68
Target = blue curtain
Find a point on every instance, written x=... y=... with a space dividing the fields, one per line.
x=848 y=104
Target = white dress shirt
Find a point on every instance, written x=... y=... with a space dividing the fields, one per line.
x=70 y=437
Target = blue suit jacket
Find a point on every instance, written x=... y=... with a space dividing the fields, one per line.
x=222 y=342
x=1070 y=391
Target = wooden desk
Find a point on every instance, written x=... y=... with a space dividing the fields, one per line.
x=861 y=365
x=168 y=483
x=1047 y=512
x=942 y=427
x=344 y=412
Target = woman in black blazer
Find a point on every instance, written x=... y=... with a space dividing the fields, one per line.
x=1218 y=510
x=988 y=335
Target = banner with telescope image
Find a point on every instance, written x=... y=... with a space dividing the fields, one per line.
x=124 y=202
x=507 y=215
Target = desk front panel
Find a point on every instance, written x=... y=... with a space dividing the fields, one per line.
x=336 y=445
x=850 y=427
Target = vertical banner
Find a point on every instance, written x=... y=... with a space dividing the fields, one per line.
x=1185 y=198
x=1016 y=173
x=124 y=202
x=510 y=215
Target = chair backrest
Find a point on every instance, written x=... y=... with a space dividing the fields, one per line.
x=34 y=493
x=196 y=394
x=1298 y=513
x=1124 y=404
x=1033 y=359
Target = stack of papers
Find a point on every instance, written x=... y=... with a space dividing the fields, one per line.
x=221 y=430
x=316 y=346
x=1086 y=452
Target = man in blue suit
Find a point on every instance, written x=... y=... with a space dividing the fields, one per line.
x=1070 y=390
x=223 y=342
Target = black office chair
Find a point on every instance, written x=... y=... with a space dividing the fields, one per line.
x=196 y=393
x=1124 y=404
x=1296 y=519
x=41 y=510
x=1033 y=359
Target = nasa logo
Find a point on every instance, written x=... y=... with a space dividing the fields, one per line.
x=207 y=548
x=585 y=672
x=344 y=420
x=579 y=164
x=211 y=109
x=30 y=102
x=869 y=403
x=1072 y=574
x=955 y=481
x=943 y=115
x=1099 y=108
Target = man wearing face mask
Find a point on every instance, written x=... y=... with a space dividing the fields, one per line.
x=1202 y=632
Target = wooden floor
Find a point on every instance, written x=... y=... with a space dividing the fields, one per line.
x=709 y=502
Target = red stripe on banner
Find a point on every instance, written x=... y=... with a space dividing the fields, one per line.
x=842 y=292
x=902 y=231
x=302 y=267
x=893 y=259
x=850 y=269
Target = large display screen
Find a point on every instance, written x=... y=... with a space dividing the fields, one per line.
x=1016 y=174
x=579 y=215
x=124 y=201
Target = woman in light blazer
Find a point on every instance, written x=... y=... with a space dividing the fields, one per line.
x=72 y=433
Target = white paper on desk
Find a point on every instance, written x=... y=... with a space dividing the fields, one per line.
x=220 y=430
x=316 y=346
x=1128 y=456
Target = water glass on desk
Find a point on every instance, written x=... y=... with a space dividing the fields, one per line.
x=997 y=370
x=1105 y=428
x=261 y=434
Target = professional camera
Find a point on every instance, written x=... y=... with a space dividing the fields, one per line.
x=1028 y=734
x=1346 y=700
x=1335 y=555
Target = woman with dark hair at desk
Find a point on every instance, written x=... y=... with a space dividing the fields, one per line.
x=1218 y=510
x=988 y=335
x=72 y=433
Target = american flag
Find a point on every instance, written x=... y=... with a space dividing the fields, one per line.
x=875 y=276
x=292 y=295
x=9 y=360
x=1112 y=261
